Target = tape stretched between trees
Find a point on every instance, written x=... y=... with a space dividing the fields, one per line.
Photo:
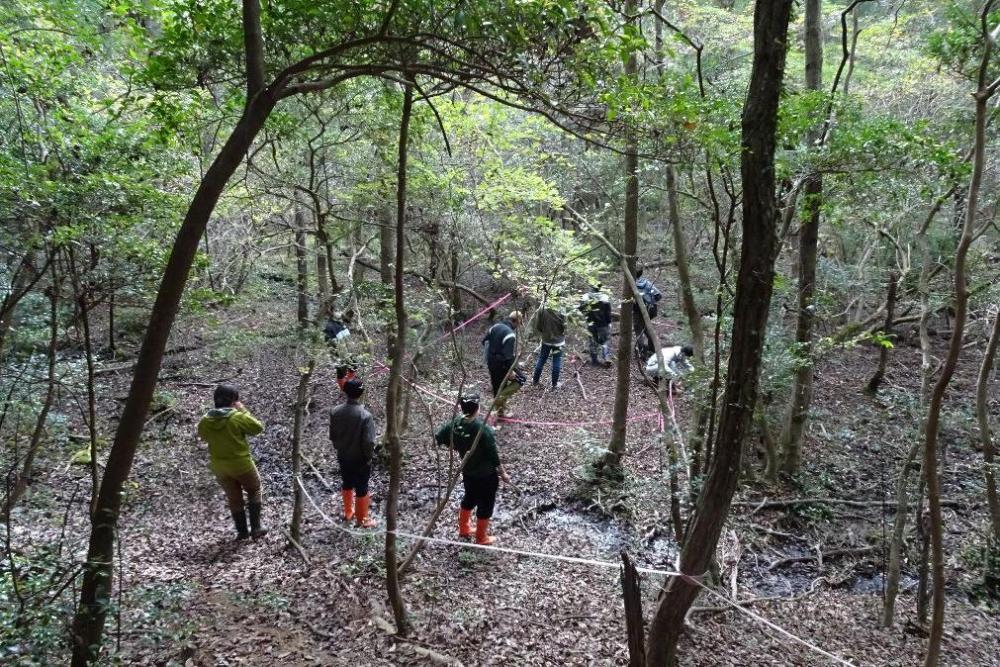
x=593 y=562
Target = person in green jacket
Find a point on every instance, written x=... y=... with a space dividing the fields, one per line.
x=550 y=325
x=481 y=473
x=225 y=428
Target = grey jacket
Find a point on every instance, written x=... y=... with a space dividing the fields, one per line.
x=352 y=432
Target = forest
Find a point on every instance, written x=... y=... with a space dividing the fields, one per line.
x=481 y=332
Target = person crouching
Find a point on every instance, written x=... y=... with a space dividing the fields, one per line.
x=352 y=432
x=225 y=429
x=481 y=473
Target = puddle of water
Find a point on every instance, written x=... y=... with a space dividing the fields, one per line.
x=605 y=536
x=870 y=583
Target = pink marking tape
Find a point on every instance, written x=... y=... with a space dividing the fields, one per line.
x=477 y=315
x=383 y=368
x=602 y=422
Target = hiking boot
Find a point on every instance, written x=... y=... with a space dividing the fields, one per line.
x=256 y=532
x=240 y=519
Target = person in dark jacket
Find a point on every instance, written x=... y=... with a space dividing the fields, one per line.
x=481 y=473
x=650 y=298
x=225 y=429
x=352 y=432
x=550 y=325
x=500 y=347
x=596 y=308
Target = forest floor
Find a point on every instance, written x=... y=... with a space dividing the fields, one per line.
x=192 y=596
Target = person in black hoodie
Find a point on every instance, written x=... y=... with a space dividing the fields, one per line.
x=352 y=432
x=650 y=298
x=596 y=308
x=481 y=474
x=500 y=349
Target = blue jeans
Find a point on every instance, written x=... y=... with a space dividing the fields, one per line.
x=543 y=355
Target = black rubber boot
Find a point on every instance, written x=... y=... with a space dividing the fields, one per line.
x=255 y=530
x=240 y=519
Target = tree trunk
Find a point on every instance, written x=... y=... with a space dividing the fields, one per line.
x=855 y=31
x=926 y=371
x=112 y=288
x=397 y=348
x=985 y=433
x=385 y=244
x=456 y=293
x=982 y=96
x=683 y=269
x=301 y=399
x=610 y=463
x=798 y=410
x=699 y=416
x=26 y=276
x=88 y=623
x=83 y=307
x=631 y=588
x=359 y=241
x=883 y=354
x=301 y=270
x=21 y=481
x=750 y=312
x=322 y=281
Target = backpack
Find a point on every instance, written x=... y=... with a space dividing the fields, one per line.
x=650 y=303
x=650 y=295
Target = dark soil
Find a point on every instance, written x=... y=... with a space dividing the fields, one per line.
x=191 y=596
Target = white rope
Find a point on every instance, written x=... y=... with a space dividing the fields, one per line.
x=569 y=559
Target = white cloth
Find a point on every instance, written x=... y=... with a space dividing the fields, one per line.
x=674 y=361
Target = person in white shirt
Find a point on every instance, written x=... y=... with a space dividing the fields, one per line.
x=675 y=361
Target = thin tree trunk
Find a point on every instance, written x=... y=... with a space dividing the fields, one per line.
x=359 y=241
x=750 y=314
x=855 y=31
x=322 y=279
x=895 y=564
x=95 y=591
x=610 y=463
x=83 y=306
x=397 y=348
x=883 y=354
x=301 y=270
x=112 y=289
x=456 y=293
x=802 y=382
x=683 y=269
x=301 y=396
x=926 y=371
x=22 y=480
x=385 y=244
x=699 y=416
x=983 y=93
x=26 y=276
x=985 y=433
